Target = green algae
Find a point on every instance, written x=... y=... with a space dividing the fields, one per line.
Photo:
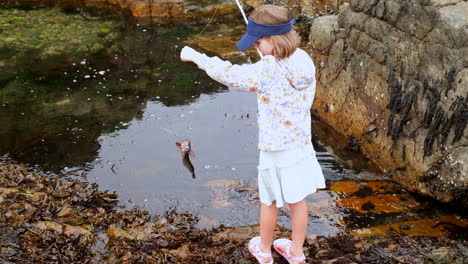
x=40 y=39
x=53 y=32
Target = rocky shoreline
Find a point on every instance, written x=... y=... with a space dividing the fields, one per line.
x=45 y=219
x=393 y=75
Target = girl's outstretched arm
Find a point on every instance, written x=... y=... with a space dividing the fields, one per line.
x=245 y=77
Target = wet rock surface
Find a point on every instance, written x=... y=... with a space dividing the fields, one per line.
x=141 y=11
x=187 y=11
x=61 y=220
x=154 y=11
x=392 y=76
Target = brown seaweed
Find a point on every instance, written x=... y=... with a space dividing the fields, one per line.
x=59 y=220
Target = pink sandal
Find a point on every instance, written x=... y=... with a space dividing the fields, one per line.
x=283 y=246
x=254 y=248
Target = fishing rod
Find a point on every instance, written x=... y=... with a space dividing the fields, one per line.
x=246 y=22
x=242 y=12
x=209 y=22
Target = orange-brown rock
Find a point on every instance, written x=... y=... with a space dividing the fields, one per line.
x=350 y=188
x=158 y=11
x=421 y=227
x=378 y=204
x=168 y=11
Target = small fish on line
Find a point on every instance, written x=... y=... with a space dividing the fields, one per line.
x=186 y=152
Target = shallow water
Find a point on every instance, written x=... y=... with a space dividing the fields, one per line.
x=114 y=119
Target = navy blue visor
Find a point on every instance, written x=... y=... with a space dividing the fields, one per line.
x=257 y=30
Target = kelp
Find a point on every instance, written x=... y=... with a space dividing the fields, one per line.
x=45 y=219
x=61 y=220
x=392 y=248
x=50 y=220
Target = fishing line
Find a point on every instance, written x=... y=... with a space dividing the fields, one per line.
x=211 y=19
x=209 y=22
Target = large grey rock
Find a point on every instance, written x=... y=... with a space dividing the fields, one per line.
x=395 y=74
x=327 y=28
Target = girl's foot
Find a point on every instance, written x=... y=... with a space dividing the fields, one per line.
x=262 y=257
x=283 y=247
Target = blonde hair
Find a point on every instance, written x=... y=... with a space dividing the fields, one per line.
x=285 y=44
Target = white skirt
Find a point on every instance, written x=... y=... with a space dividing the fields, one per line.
x=288 y=175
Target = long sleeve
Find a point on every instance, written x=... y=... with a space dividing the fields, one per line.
x=246 y=77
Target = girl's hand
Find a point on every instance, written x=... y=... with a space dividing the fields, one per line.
x=188 y=54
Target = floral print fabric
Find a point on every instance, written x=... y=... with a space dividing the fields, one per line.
x=285 y=91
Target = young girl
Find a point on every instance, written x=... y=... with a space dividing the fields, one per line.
x=284 y=81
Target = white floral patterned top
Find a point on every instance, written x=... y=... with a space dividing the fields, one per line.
x=285 y=92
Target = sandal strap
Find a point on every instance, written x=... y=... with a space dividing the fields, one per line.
x=258 y=252
x=298 y=259
x=263 y=254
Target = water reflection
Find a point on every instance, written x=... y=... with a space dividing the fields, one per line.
x=54 y=118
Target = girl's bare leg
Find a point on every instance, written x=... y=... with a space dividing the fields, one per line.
x=299 y=218
x=268 y=216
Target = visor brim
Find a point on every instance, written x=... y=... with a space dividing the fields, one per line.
x=246 y=42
